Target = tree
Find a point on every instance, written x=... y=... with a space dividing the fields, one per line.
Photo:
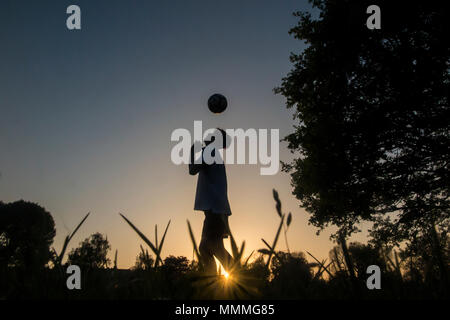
x=292 y=275
x=92 y=253
x=372 y=137
x=177 y=265
x=26 y=234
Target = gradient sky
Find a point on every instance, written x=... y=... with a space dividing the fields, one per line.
x=86 y=116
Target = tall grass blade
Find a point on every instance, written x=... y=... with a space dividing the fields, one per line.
x=318 y=273
x=79 y=225
x=264 y=251
x=164 y=236
x=194 y=243
x=158 y=257
x=63 y=250
x=270 y=251
x=278 y=233
x=336 y=257
x=234 y=247
x=68 y=238
x=267 y=245
x=248 y=258
x=241 y=252
x=143 y=237
x=156 y=235
x=325 y=268
x=278 y=202
x=276 y=238
x=289 y=219
x=321 y=270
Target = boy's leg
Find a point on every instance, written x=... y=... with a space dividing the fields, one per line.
x=206 y=247
x=221 y=230
x=214 y=247
x=212 y=243
x=222 y=254
x=207 y=256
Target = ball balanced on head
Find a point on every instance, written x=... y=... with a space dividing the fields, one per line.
x=217 y=103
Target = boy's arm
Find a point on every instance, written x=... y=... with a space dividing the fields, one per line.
x=193 y=167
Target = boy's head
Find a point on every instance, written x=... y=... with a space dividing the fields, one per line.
x=226 y=139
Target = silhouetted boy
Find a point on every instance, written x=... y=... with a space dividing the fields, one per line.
x=211 y=198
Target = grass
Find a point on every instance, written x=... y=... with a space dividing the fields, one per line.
x=194 y=244
x=273 y=274
x=271 y=248
x=155 y=248
x=67 y=240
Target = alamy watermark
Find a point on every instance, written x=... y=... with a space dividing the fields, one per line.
x=74 y=280
x=73 y=21
x=239 y=139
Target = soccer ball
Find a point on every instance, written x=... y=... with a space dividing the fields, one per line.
x=217 y=103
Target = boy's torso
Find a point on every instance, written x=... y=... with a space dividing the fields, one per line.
x=211 y=192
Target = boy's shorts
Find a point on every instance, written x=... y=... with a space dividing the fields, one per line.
x=215 y=226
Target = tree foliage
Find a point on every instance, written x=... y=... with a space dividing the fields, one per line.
x=92 y=253
x=26 y=233
x=372 y=135
x=175 y=264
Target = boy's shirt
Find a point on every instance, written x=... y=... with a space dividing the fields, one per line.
x=211 y=194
